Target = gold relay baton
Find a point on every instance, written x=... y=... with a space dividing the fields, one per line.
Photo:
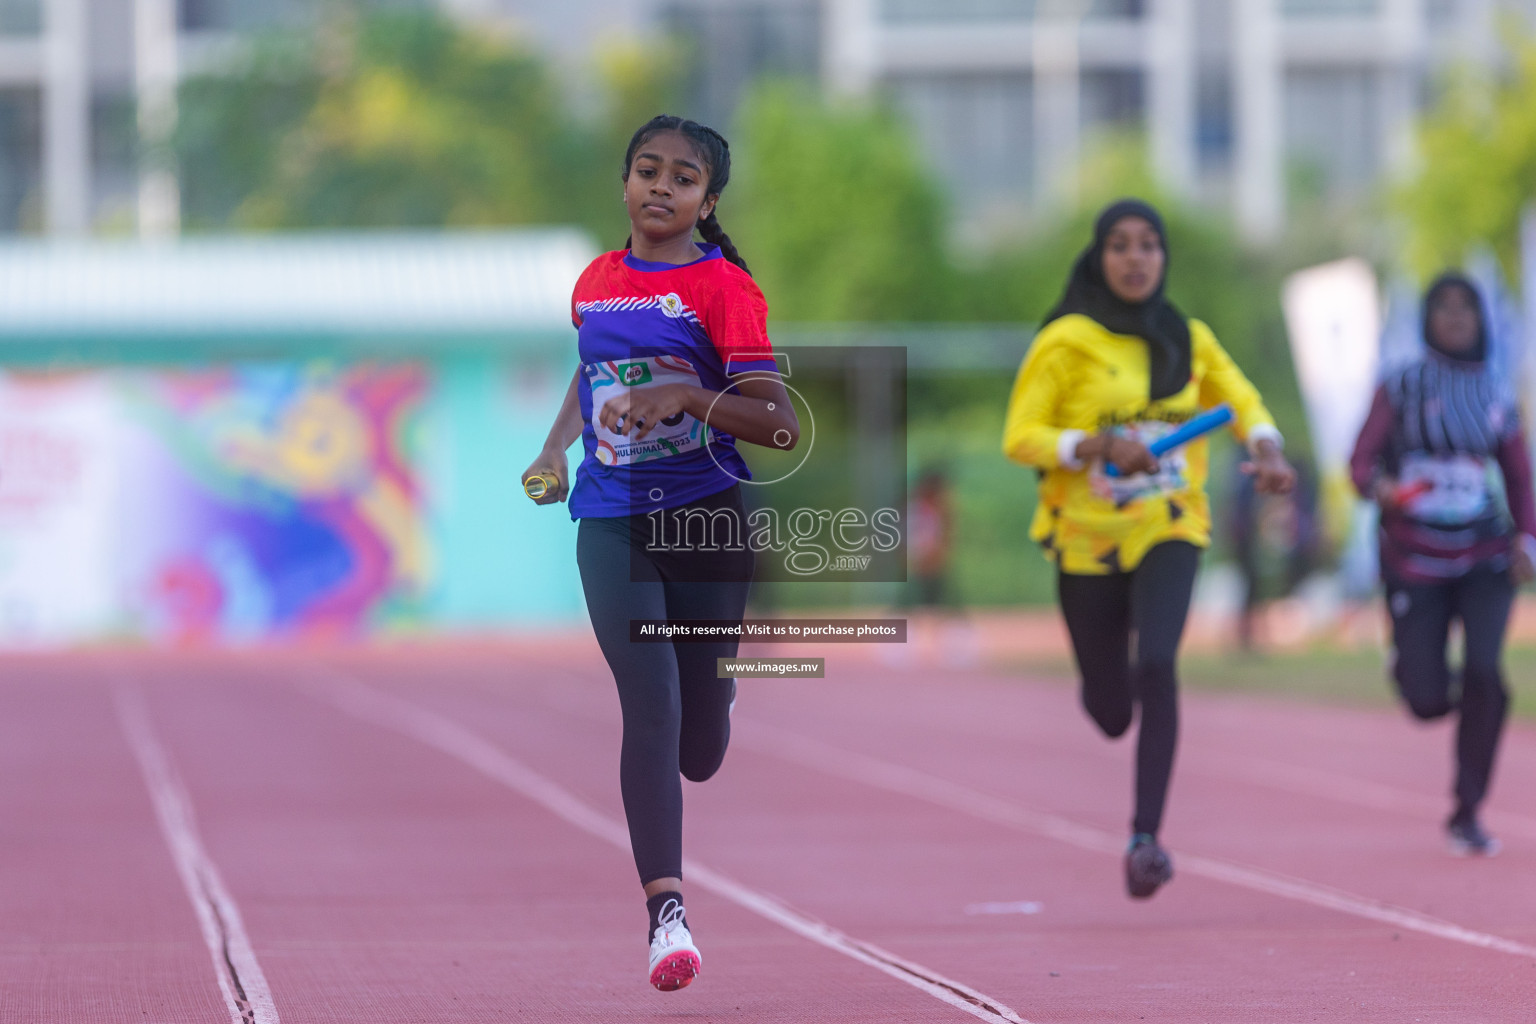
x=539 y=484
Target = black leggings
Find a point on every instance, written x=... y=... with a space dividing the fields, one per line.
x=1152 y=601
x=676 y=712
x=1421 y=622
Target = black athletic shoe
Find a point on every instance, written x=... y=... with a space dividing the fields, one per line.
x=1467 y=839
x=1147 y=866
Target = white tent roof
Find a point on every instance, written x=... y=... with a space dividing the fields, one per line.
x=385 y=283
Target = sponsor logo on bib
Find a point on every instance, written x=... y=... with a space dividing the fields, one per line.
x=672 y=435
x=631 y=374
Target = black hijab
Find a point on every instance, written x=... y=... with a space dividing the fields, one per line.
x=1445 y=282
x=1154 y=320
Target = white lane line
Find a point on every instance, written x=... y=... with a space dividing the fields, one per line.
x=451 y=738
x=899 y=779
x=1346 y=789
x=234 y=962
x=1010 y=907
x=1257 y=771
x=1283 y=776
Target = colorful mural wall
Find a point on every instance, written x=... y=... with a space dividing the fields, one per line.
x=275 y=500
x=263 y=502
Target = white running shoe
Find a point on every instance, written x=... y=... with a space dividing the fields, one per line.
x=674 y=957
x=1468 y=839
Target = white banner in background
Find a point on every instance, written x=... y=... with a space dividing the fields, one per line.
x=1333 y=316
x=1402 y=329
x=58 y=496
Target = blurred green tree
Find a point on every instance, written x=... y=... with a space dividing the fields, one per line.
x=1478 y=163
x=407 y=119
x=835 y=213
x=230 y=126
x=638 y=79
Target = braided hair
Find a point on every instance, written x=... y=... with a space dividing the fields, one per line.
x=716 y=154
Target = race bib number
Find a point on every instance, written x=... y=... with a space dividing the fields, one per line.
x=1170 y=475
x=1451 y=488
x=672 y=436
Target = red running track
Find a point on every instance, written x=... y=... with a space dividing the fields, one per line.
x=428 y=835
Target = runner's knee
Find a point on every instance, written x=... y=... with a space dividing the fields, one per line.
x=699 y=756
x=699 y=766
x=1156 y=677
x=1427 y=707
x=651 y=710
x=1112 y=714
x=1484 y=681
x=1425 y=687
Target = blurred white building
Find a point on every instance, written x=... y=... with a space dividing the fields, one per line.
x=1244 y=102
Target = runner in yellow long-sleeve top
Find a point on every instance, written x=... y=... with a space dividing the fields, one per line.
x=1081 y=379
x=1115 y=367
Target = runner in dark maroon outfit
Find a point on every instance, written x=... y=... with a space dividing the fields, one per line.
x=1442 y=452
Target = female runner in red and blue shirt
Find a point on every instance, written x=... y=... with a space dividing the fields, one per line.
x=676 y=367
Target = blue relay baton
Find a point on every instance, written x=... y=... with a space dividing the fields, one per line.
x=1191 y=429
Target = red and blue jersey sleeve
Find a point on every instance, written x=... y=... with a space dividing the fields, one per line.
x=584 y=286
x=735 y=316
